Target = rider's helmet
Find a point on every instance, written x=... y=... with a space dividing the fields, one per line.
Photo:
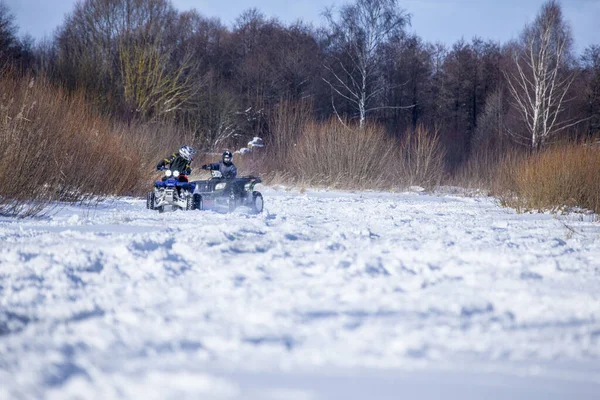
x=187 y=152
x=227 y=157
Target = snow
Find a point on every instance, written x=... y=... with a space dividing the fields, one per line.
x=325 y=295
x=256 y=142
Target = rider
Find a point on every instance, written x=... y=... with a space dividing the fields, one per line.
x=226 y=167
x=179 y=161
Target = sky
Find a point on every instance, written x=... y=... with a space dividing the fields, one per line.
x=444 y=21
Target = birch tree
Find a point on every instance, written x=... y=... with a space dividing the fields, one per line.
x=540 y=82
x=357 y=37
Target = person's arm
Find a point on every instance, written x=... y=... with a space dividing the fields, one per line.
x=211 y=167
x=164 y=162
x=188 y=169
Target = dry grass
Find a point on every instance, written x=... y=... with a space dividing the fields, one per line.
x=344 y=156
x=287 y=122
x=338 y=156
x=422 y=158
x=562 y=176
x=478 y=172
x=481 y=170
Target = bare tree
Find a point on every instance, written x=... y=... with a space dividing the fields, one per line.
x=491 y=124
x=8 y=30
x=149 y=85
x=159 y=74
x=591 y=75
x=129 y=51
x=357 y=37
x=541 y=80
x=408 y=71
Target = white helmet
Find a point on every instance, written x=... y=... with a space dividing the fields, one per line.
x=187 y=152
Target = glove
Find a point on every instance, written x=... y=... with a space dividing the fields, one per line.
x=205 y=166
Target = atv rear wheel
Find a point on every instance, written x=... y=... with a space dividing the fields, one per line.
x=257 y=202
x=197 y=202
x=150 y=199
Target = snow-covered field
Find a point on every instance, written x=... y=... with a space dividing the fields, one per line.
x=326 y=295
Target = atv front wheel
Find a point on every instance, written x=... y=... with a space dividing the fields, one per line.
x=150 y=199
x=257 y=202
x=231 y=202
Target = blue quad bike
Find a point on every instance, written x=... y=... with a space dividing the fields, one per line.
x=219 y=194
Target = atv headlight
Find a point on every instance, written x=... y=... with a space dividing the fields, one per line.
x=175 y=173
x=168 y=173
x=220 y=186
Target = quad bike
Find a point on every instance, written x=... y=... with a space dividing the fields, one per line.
x=173 y=191
x=221 y=194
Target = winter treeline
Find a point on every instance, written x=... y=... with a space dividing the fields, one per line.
x=143 y=60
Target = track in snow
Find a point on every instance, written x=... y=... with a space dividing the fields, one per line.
x=325 y=294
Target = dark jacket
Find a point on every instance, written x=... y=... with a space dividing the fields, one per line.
x=229 y=171
x=176 y=163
